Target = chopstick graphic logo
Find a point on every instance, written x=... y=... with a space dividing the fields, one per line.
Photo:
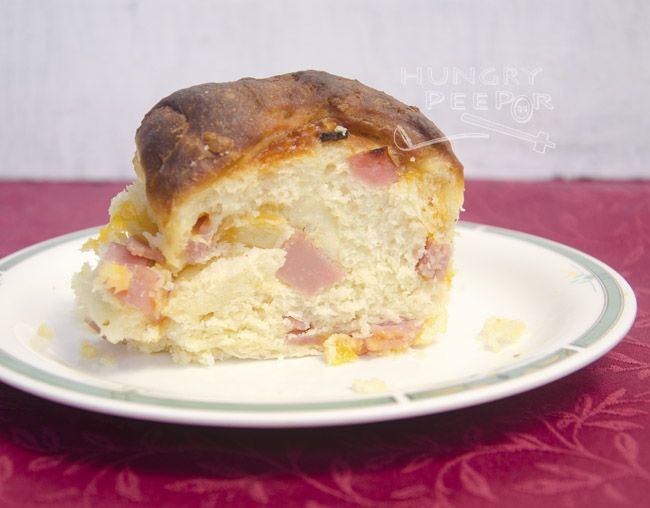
x=408 y=145
x=541 y=141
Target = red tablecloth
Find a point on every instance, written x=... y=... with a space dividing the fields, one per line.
x=581 y=441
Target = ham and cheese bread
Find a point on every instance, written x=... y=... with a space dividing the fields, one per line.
x=277 y=218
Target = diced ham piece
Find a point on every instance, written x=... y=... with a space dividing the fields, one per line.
x=387 y=336
x=305 y=339
x=307 y=269
x=200 y=245
x=375 y=167
x=297 y=325
x=139 y=247
x=382 y=344
x=298 y=335
x=117 y=253
x=384 y=337
x=408 y=328
x=433 y=263
x=143 y=283
x=196 y=251
x=141 y=292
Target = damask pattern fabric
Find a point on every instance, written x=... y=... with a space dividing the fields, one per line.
x=580 y=441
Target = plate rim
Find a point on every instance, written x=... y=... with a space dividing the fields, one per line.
x=616 y=318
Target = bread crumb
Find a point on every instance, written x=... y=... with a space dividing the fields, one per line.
x=499 y=332
x=107 y=360
x=88 y=350
x=45 y=331
x=42 y=339
x=38 y=343
x=373 y=385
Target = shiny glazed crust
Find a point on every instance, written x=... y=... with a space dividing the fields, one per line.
x=194 y=136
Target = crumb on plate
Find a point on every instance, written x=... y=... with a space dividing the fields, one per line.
x=88 y=350
x=107 y=360
x=499 y=332
x=373 y=385
x=45 y=331
x=38 y=343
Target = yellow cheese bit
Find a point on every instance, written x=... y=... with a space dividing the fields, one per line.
x=263 y=231
x=114 y=276
x=341 y=348
x=127 y=219
x=91 y=244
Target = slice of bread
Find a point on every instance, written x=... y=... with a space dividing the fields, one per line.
x=277 y=218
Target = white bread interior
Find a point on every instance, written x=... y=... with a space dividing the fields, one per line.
x=232 y=305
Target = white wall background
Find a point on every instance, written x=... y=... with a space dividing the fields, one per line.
x=77 y=76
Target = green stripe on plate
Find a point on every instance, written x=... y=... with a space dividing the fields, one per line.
x=609 y=315
x=505 y=375
x=613 y=305
x=131 y=395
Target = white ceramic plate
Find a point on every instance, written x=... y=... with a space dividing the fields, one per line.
x=575 y=307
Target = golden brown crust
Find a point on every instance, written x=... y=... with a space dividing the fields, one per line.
x=195 y=135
